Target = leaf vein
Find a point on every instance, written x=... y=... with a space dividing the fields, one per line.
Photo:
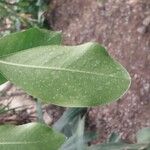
x=57 y=69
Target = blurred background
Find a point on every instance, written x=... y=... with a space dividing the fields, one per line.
x=122 y=26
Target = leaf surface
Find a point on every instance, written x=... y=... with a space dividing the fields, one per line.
x=72 y=76
x=32 y=136
x=26 y=39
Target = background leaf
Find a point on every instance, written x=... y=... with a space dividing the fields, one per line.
x=68 y=121
x=27 y=39
x=32 y=136
x=114 y=138
x=143 y=136
x=115 y=143
x=72 y=76
x=72 y=124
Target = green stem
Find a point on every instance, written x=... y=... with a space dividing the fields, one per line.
x=39 y=111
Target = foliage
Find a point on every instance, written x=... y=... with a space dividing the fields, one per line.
x=114 y=141
x=19 y=14
x=72 y=124
x=32 y=136
x=83 y=75
x=143 y=143
x=42 y=38
x=72 y=76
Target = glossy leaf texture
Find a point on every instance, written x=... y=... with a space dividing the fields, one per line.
x=27 y=39
x=32 y=136
x=71 y=76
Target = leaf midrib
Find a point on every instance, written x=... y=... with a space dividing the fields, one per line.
x=58 y=69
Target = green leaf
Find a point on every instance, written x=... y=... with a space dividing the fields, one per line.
x=114 y=138
x=2 y=79
x=143 y=136
x=3 y=11
x=72 y=125
x=69 y=120
x=72 y=76
x=32 y=136
x=27 y=39
x=76 y=141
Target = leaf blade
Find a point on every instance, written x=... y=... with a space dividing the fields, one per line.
x=20 y=41
x=72 y=76
x=32 y=136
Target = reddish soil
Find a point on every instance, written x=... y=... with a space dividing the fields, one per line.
x=123 y=27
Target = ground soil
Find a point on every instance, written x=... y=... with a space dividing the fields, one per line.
x=23 y=107
x=123 y=27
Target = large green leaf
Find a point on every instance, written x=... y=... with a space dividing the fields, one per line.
x=72 y=76
x=32 y=136
x=27 y=39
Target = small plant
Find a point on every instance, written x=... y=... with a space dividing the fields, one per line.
x=70 y=76
x=19 y=14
